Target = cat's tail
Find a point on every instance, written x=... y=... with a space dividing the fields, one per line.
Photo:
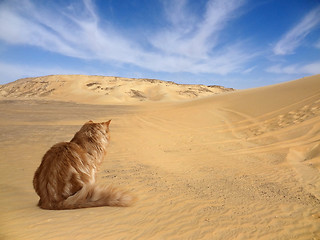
x=97 y=196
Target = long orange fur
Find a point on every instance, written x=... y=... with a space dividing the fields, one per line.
x=66 y=177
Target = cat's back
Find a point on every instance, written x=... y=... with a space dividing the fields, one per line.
x=62 y=152
x=58 y=174
x=61 y=155
x=58 y=161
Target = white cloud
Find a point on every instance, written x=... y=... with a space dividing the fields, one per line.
x=310 y=68
x=317 y=45
x=26 y=25
x=178 y=14
x=193 y=37
x=249 y=70
x=294 y=37
x=290 y=69
x=189 y=46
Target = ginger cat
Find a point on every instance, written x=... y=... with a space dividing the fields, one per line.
x=66 y=177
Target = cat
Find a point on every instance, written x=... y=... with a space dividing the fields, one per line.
x=66 y=177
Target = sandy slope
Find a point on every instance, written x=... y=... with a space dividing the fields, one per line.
x=241 y=165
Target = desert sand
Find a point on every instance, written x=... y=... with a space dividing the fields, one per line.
x=235 y=165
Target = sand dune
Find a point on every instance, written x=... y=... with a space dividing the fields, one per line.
x=104 y=90
x=238 y=165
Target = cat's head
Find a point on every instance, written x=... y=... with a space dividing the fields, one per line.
x=93 y=134
x=102 y=126
x=92 y=130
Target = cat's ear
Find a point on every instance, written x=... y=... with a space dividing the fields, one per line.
x=90 y=121
x=107 y=123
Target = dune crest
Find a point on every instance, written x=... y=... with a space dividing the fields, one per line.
x=104 y=90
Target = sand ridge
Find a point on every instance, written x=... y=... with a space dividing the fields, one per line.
x=239 y=165
x=104 y=90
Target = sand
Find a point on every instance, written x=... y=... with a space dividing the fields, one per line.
x=236 y=165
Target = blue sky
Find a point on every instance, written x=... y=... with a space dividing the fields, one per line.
x=234 y=43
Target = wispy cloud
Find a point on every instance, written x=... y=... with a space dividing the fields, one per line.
x=25 y=24
x=310 y=69
x=294 y=37
x=193 y=37
x=189 y=45
x=64 y=31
